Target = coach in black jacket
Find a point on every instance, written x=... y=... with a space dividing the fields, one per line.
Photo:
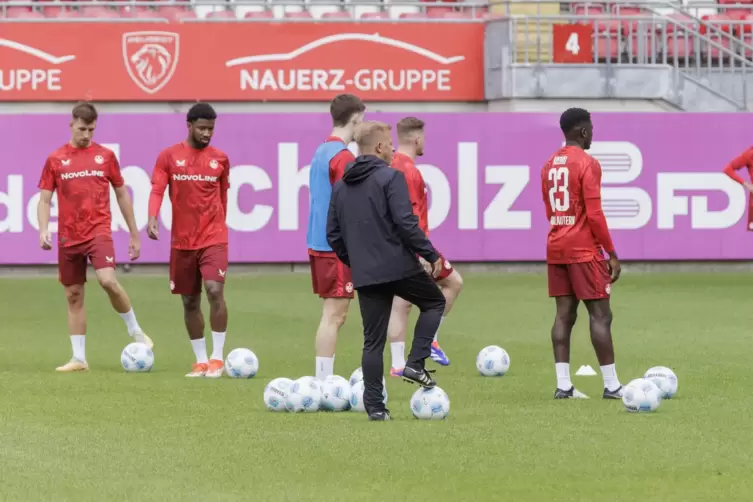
x=372 y=229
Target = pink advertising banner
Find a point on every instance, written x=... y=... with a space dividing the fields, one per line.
x=664 y=194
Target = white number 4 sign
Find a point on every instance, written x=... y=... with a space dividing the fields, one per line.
x=572 y=44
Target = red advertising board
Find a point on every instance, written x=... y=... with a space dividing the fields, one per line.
x=572 y=43
x=240 y=62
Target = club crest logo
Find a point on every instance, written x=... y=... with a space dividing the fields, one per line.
x=349 y=287
x=213 y=164
x=151 y=58
x=99 y=159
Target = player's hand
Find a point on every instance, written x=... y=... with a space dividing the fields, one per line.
x=614 y=267
x=134 y=248
x=748 y=186
x=152 y=229
x=426 y=265
x=45 y=240
x=436 y=268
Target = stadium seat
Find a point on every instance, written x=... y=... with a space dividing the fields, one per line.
x=645 y=54
x=175 y=13
x=375 y=15
x=303 y=14
x=581 y=9
x=679 y=49
x=340 y=14
x=221 y=14
x=396 y=8
x=261 y=14
x=714 y=51
x=721 y=22
x=438 y=12
x=412 y=15
x=22 y=13
x=145 y=14
x=318 y=8
x=241 y=9
x=459 y=14
x=359 y=8
x=65 y=14
x=96 y=11
x=606 y=48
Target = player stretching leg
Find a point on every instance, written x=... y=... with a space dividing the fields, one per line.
x=571 y=187
x=410 y=135
x=330 y=278
x=197 y=175
x=82 y=172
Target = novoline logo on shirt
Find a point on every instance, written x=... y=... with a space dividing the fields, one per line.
x=81 y=174
x=194 y=177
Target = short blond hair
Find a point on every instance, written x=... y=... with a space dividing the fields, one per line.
x=409 y=125
x=368 y=134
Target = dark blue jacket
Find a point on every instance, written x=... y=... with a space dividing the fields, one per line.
x=371 y=226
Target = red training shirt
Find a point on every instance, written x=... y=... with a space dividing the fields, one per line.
x=416 y=188
x=82 y=178
x=198 y=181
x=571 y=186
x=745 y=159
x=337 y=165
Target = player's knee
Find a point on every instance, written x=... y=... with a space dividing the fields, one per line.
x=191 y=304
x=108 y=282
x=336 y=312
x=602 y=317
x=567 y=318
x=215 y=293
x=456 y=282
x=75 y=296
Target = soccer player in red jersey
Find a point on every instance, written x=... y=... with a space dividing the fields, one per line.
x=410 y=135
x=198 y=177
x=331 y=279
x=81 y=172
x=744 y=160
x=578 y=236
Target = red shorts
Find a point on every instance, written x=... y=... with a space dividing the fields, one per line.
x=189 y=266
x=330 y=277
x=586 y=281
x=100 y=251
x=446 y=269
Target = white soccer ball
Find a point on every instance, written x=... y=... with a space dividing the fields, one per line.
x=357 y=376
x=493 y=361
x=356 y=396
x=665 y=379
x=430 y=404
x=276 y=394
x=137 y=358
x=305 y=395
x=335 y=394
x=641 y=395
x=241 y=363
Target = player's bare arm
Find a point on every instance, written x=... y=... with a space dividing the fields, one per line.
x=43 y=219
x=744 y=160
x=126 y=208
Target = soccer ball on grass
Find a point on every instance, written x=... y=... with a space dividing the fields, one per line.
x=641 y=395
x=137 y=358
x=356 y=396
x=276 y=394
x=241 y=363
x=665 y=379
x=493 y=361
x=335 y=394
x=305 y=395
x=430 y=404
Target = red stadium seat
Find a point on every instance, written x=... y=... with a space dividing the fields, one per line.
x=679 y=48
x=221 y=14
x=458 y=15
x=608 y=26
x=606 y=48
x=175 y=13
x=64 y=13
x=21 y=13
x=719 y=21
x=587 y=9
x=261 y=14
x=340 y=14
x=734 y=2
x=438 y=12
x=646 y=54
x=713 y=51
x=412 y=15
x=145 y=14
x=99 y=12
x=680 y=22
x=375 y=15
x=298 y=15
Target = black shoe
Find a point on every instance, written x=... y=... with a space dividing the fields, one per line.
x=573 y=393
x=420 y=376
x=613 y=394
x=380 y=416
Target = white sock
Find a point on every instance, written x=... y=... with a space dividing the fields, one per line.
x=611 y=382
x=398 y=355
x=563 y=376
x=218 y=345
x=132 y=325
x=436 y=335
x=200 y=349
x=325 y=366
x=78 y=343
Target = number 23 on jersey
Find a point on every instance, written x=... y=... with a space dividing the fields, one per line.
x=559 y=188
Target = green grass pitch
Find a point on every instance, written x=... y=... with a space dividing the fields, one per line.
x=111 y=436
